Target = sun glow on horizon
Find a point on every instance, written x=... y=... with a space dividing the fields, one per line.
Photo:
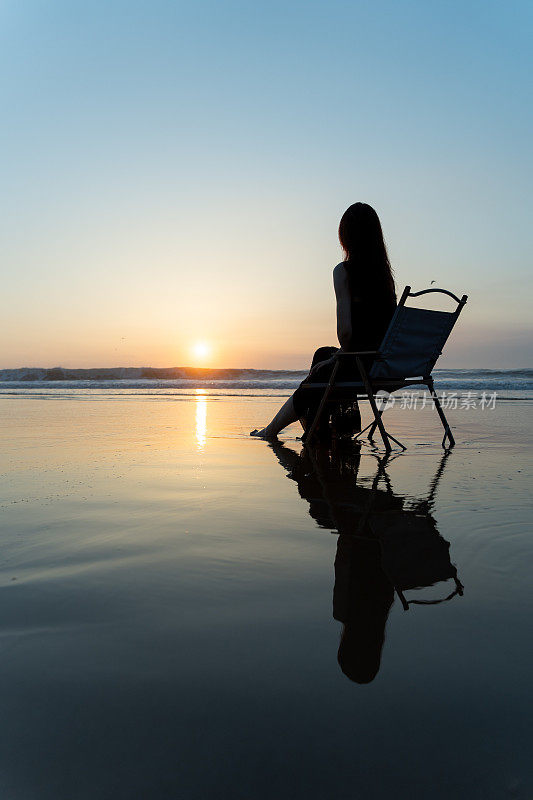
x=201 y=350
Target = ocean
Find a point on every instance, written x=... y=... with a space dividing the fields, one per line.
x=123 y=382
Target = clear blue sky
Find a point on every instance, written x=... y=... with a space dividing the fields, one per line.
x=175 y=172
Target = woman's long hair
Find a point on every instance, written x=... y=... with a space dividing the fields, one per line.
x=366 y=258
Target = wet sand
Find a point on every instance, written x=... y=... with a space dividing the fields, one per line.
x=174 y=593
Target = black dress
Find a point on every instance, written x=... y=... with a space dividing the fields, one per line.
x=370 y=320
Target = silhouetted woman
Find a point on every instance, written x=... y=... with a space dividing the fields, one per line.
x=366 y=299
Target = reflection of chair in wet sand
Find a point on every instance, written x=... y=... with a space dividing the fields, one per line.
x=413 y=553
x=386 y=543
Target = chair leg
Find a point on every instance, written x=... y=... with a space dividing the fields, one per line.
x=403 y=601
x=447 y=430
x=360 y=433
x=379 y=423
x=373 y=427
x=396 y=440
x=372 y=401
x=308 y=435
x=397 y=589
x=374 y=424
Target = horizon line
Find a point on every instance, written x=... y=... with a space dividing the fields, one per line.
x=254 y=369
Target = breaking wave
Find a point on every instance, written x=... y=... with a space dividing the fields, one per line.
x=26 y=374
x=173 y=379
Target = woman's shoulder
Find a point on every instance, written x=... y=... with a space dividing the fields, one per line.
x=341 y=281
x=340 y=273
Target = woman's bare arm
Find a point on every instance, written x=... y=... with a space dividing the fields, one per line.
x=344 y=306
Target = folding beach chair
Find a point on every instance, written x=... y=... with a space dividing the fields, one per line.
x=414 y=555
x=411 y=346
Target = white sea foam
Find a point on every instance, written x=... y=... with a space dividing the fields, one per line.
x=516 y=383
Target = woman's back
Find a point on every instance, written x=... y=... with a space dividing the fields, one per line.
x=370 y=320
x=372 y=304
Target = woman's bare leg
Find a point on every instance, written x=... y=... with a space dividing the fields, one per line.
x=285 y=416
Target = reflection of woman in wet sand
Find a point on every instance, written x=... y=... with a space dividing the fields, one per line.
x=363 y=595
x=362 y=599
x=365 y=516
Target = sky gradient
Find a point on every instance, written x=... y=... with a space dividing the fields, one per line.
x=175 y=172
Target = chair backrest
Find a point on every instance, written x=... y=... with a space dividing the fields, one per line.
x=415 y=338
x=413 y=552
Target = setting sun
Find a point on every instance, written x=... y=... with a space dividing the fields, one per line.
x=201 y=350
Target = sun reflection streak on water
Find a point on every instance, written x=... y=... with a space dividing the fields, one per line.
x=201 y=419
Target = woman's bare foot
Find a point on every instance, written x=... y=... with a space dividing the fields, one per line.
x=264 y=433
x=285 y=416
